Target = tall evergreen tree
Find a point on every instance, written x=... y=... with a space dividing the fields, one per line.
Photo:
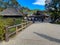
x=54 y=8
x=8 y=3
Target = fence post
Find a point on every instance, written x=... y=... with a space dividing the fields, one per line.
x=22 y=26
x=6 y=34
x=26 y=23
x=16 y=30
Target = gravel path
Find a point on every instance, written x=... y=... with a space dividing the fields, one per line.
x=37 y=34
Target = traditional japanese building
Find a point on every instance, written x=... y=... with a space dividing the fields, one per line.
x=11 y=12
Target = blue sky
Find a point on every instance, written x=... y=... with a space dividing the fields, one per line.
x=33 y=4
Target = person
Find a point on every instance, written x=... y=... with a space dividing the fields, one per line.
x=42 y=17
x=33 y=18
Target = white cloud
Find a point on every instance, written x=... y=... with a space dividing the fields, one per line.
x=39 y=2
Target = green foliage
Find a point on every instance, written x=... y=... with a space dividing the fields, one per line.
x=57 y=23
x=8 y=22
x=18 y=21
x=12 y=30
x=1 y=9
x=8 y=3
x=1 y=17
x=3 y=23
x=2 y=30
x=54 y=8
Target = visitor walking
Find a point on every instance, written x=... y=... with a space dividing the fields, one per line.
x=42 y=17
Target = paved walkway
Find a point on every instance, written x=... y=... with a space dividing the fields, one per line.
x=37 y=34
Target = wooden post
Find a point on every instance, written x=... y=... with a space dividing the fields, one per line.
x=6 y=34
x=27 y=23
x=16 y=30
x=22 y=26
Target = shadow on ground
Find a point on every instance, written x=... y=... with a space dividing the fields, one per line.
x=48 y=37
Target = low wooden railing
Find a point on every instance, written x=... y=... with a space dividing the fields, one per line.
x=18 y=28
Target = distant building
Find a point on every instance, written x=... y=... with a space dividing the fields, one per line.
x=11 y=12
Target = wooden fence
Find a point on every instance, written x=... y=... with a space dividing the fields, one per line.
x=18 y=28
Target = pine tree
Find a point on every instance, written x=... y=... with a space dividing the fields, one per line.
x=54 y=8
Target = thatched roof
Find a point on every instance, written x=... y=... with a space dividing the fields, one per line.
x=11 y=12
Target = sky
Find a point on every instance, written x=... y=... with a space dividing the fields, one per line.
x=33 y=4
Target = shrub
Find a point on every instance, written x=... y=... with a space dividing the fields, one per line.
x=2 y=30
x=7 y=22
x=57 y=22
x=3 y=23
x=18 y=21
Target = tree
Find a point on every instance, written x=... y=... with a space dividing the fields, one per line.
x=1 y=5
x=8 y=3
x=54 y=8
x=13 y=3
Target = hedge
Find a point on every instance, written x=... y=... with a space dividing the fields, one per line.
x=7 y=22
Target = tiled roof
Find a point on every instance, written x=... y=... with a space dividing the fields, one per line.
x=11 y=12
